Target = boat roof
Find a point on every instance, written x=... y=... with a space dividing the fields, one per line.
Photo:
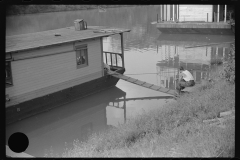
x=35 y=40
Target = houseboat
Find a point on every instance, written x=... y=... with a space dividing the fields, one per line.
x=47 y=69
x=192 y=19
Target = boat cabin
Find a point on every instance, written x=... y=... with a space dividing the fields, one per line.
x=48 y=67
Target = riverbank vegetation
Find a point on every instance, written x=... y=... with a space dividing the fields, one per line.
x=178 y=129
x=31 y=9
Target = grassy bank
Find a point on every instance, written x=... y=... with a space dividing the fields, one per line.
x=175 y=131
x=31 y=9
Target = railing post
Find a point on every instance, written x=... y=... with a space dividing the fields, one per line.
x=111 y=59
x=106 y=57
x=122 y=48
x=116 y=59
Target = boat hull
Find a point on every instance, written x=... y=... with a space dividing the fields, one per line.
x=196 y=31
x=47 y=102
x=195 y=28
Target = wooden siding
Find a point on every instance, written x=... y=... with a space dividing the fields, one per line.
x=195 y=12
x=51 y=50
x=44 y=75
x=51 y=89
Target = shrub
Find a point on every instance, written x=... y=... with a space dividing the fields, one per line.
x=228 y=72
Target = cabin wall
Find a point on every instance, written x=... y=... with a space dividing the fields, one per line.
x=195 y=13
x=39 y=76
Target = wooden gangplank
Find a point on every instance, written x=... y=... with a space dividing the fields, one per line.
x=143 y=84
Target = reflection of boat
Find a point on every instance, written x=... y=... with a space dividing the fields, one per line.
x=191 y=39
x=76 y=121
x=46 y=69
x=200 y=55
x=167 y=76
x=198 y=64
x=61 y=126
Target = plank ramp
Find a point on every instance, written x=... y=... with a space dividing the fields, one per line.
x=142 y=83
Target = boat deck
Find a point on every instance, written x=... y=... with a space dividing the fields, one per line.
x=143 y=84
x=56 y=37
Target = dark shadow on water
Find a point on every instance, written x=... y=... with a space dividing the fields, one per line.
x=75 y=120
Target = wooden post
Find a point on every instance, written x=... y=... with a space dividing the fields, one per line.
x=177 y=12
x=111 y=60
x=225 y=14
x=162 y=12
x=168 y=13
x=214 y=17
x=224 y=49
x=173 y=13
x=122 y=48
x=106 y=57
x=218 y=14
x=125 y=109
x=101 y=42
x=165 y=12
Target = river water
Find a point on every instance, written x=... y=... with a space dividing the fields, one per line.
x=149 y=56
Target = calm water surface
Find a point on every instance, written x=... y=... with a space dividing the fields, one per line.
x=149 y=56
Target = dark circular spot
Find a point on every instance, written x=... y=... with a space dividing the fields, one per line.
x=18 y=142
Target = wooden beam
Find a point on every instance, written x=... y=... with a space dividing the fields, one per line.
x=173 y=13
x=225 y=15
x=122 y=49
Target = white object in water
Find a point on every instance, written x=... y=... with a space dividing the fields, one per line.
x=106 y=66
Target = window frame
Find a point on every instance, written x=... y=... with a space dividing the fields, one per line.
x=78 y=52
x=8 y=72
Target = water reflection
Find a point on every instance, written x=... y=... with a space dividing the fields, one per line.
x=198 y=60
x=64 y=124
x=51 y=132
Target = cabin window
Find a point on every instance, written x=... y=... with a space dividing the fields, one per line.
x=81 y=56
x=8 y=73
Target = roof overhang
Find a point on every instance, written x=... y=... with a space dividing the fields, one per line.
x=38 y=40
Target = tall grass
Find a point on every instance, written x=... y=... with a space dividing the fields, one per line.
x=175 y=131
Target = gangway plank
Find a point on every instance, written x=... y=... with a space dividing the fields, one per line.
x=141 y=83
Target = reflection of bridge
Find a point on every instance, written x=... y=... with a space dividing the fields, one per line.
x=115 y=103
x=118 y=105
